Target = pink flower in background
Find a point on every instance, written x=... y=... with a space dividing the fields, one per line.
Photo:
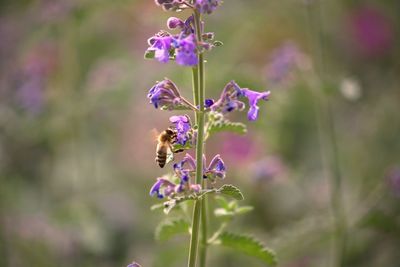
x=33 y=76
x=238 y=148
x=371 y=30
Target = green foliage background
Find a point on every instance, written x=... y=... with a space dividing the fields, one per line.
x=75 y=175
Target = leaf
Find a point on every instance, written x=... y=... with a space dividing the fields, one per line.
x=243 y=210
x=149 y=54
x=232 y=191
x=220 y=212
x=217 y=123
x=167 y=229
x=227 y=126
x=247 y=245
x=222 y=202
x=157 y=206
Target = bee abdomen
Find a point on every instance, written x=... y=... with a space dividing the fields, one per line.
x=161 y=158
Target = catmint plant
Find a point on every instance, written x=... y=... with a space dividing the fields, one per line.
x=193 y=179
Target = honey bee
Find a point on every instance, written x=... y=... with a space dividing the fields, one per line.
x=164 y=147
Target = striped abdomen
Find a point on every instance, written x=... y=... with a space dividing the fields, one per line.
x=162 y=151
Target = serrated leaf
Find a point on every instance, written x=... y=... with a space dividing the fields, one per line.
x=247 y=245
x=232 y=191
x=227 y=126
x=167 y=229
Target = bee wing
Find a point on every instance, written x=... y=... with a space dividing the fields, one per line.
x=155 y=134
x=170 y=155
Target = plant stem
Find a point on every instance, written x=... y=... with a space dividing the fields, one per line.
x=199 y=94
x=204 y=224
x=327 y=136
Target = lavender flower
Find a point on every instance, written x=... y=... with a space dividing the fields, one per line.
x=183 y=128
x=253 y=98
x=163 y=187
x=228 y=100
x=216 y=169
x=186 y=52
x=161 y=45
x=164 y=94
x=206 y=6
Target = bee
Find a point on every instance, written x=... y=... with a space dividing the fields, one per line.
x=165 y=149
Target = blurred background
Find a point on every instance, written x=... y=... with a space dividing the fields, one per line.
x=77 y=149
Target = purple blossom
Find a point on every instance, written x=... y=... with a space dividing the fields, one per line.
x=186 y=52
x=216 y=169
x=163 y=187
x=174 y=23
x=183 y=128
x=164 y=94
x=253 y=98
x=208 y=102
x=161 y=45
x=228 y=100
x=206 y=6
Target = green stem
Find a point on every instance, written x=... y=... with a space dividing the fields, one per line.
x=199 y=96
x=204 y=224
x=327 y=135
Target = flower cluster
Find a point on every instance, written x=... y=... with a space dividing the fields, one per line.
x=183 y=128
x=207 y=6
x=182 y=47
x=229 y=100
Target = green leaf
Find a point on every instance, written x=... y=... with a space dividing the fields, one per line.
x=218 y=43
x=167 y=229
x=222 y=202
x=149 y=54
x=220 y=212
x=157 y=206
x=232 y=191
x=243 y=210
x=217 y=123
x=247 y=245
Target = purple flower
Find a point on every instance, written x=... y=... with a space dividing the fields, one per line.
x=183 y=128
x=253 y=98
x=228 y=100
x=186 y=52
x=216 y=169
x=206 y=6
x=174 y=22
x=208 y=102
x=162 y=187
x=161 y=44
x=164 y=94
x=134 y=264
